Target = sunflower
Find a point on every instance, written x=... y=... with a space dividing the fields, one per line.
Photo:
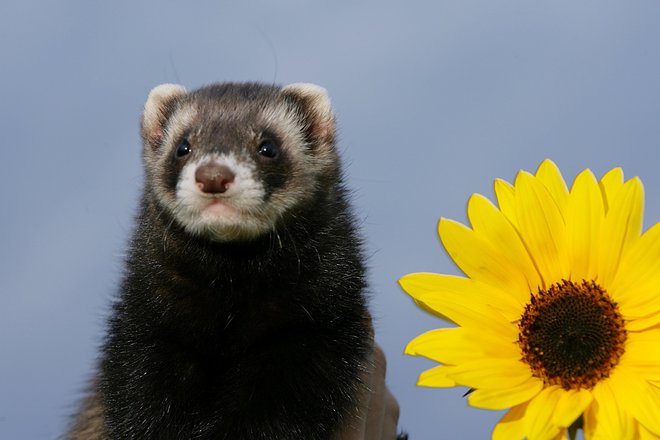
x=558 y=319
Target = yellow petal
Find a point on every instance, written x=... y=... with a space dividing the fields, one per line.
x=641 y=261
x=550 y=176
x=491 y=373
x=642 y=355
x=542 y=228
x=437 y=377
x=502 y=398
x=590 y=427
x=462 y=300
x=645 y=434
x=621 y=229
x=649 y=372
x=642 y=349
x=479 y=259
x=643 y=323
x=441 y=345
x=506 y=199
x=539 y=414
x=571 y=405
x=636 y=286
x=513 y=425
x=457 y=345
x=640 y=398
x=605 y=417
x=489 y=223
x=645 y=305
x=610 y=185
x=585 y=214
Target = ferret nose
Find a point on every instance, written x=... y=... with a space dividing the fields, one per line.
x=213 y=178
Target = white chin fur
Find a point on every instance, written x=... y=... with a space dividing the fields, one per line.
x=240 y=213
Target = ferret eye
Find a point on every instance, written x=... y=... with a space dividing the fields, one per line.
x=269 y=149
x=183 y=148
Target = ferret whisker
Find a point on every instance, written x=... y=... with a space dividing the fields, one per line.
x=311 y=318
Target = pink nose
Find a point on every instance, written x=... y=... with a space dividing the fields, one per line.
x=213 y=178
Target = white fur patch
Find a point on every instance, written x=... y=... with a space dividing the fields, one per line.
x=236 y=214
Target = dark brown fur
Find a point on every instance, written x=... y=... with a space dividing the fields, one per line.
x=265 y=338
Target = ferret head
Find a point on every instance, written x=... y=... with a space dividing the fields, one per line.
x=230 y=161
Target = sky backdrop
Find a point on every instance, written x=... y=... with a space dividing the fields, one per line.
x=434 y=100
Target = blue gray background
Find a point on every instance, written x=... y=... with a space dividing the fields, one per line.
x=434 y=100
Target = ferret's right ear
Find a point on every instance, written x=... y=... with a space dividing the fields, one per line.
x=158 y=108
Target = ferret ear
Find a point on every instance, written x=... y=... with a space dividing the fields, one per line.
x=157 y=109
x=315 y=104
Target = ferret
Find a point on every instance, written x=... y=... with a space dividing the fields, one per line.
x=242 y=312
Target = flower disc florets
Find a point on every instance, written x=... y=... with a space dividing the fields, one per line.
x=572 y=334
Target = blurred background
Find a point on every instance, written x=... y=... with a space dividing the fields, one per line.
x=434 y=100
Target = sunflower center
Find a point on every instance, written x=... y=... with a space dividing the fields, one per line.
x=572 y=334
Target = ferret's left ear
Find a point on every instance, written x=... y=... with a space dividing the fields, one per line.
x=315 y=107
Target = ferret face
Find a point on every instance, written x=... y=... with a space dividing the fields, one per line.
x=230 y=161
